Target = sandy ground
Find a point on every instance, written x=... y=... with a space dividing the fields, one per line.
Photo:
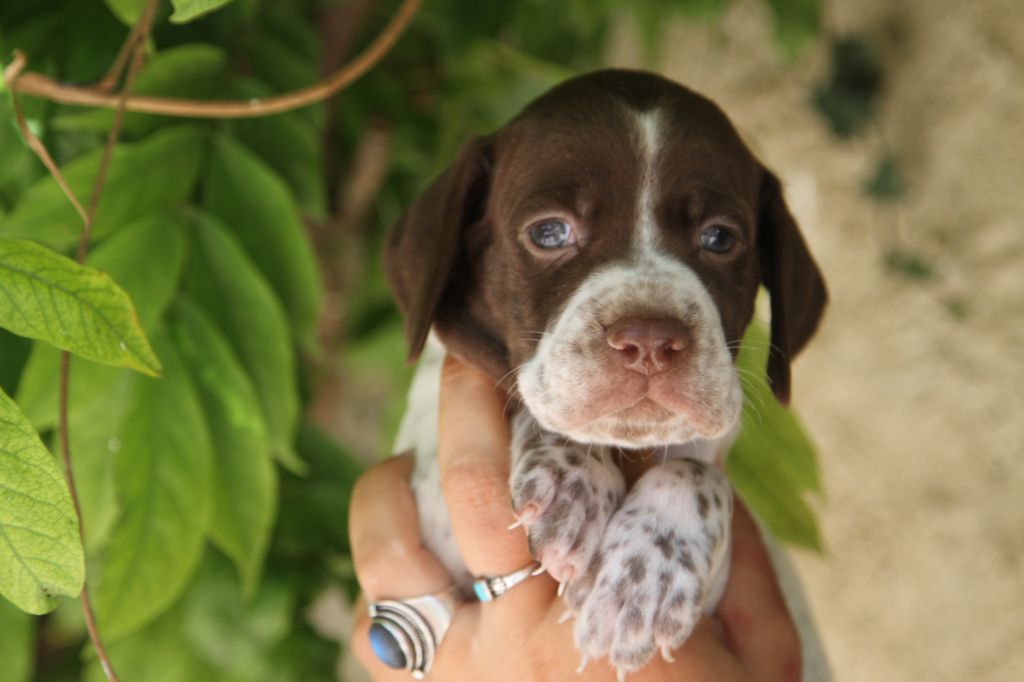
x=918 y=413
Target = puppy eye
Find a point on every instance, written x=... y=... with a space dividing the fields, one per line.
x=717 y=239
x=552 y=234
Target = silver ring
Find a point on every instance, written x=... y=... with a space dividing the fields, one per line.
x=405 y=633
x=489 y=588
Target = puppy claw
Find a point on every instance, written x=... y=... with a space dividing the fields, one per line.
x=540 y=569
x=528 y=514
x=567 y=615
x=561 y=587
x=583 y=665
x=666 y=653
x=563 y=494
x=620 y=674
x=557 y=569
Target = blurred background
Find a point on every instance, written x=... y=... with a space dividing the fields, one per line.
x=898 y=129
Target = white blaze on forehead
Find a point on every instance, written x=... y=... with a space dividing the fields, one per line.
x=649 y=129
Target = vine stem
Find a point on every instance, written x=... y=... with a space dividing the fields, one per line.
x=133 y=50
x=130 y=56
x=32 y=83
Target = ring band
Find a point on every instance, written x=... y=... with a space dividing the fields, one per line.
x=405 y=633
x=489 y=588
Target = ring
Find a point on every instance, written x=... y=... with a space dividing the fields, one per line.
x=490 y=588
x=405 y=633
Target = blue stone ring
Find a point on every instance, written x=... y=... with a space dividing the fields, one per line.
x=405 y=633
x=490 y=588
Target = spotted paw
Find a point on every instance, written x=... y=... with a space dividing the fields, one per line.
x=662 y=559
x=563 y=495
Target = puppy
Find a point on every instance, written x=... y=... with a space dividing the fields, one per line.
x=600 y=256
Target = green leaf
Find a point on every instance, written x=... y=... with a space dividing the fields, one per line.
x=187 y=10
x=151 y=282
x=313 y=517
x=95 y=425
x=159 y=652
x=40 y=551
x=46 y=296
x=772 y=499
x=255 y=203
x=128 y=11
x=245 y=481
x=93 y=428
x=237 y=633
x=285 y=68
x=18 y=165
x=375 y=367
x=193 y=71
x=287 y=143
x=14 y=352
x=17 y=646
x=234 y=293
x=213 y=633
x=144 y=177
x=164 y=477
x=773 y=464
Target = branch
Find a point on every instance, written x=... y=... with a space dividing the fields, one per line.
x=134 y=47
x=116 y=69
x=37 y=146
x=36 y=84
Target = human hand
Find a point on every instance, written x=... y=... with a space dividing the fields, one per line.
x=518 y=637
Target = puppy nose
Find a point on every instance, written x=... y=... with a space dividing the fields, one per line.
x=649 y=345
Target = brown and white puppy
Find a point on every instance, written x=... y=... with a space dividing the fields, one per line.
x=601 y=255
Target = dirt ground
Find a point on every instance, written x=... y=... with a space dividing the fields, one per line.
x=914 y=389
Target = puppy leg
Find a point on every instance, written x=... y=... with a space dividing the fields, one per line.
x=660 y=564
x=564 y=493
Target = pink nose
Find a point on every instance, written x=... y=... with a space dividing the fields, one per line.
x=648 y=345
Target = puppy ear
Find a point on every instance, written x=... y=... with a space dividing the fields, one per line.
x=798 y=294
x=423 y=245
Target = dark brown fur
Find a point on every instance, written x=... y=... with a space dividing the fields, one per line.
x=460 y=259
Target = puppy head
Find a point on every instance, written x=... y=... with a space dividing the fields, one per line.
x=605 y=249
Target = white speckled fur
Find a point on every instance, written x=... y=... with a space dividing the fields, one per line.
x=418 y=433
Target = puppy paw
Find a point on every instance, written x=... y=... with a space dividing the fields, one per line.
x=649 y=581
x=564 y=495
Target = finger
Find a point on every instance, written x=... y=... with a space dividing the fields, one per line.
x=473 y=455
x=387 y=549
x=703 y=657
x=753 y=612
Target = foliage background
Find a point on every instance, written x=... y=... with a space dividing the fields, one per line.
x=250 y=248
